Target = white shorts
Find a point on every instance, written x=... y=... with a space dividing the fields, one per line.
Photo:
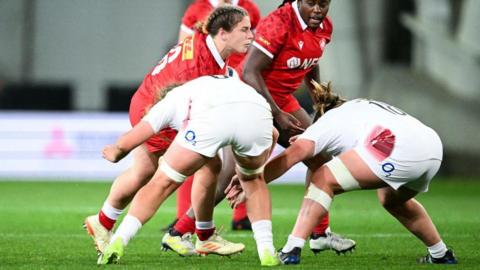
x=247 y=127
x=414 y=159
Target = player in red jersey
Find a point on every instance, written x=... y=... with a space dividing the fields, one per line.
x=228 y=31
x=287 y=48
x=294 y=37
x=195 y=14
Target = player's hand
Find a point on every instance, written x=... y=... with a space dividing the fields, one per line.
x=237 y=199
x=113 y=153
x=234 y=184
x=234 y=191
x=293 y=139
x=289 y=123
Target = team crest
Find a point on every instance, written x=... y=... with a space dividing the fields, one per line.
x=323 y=43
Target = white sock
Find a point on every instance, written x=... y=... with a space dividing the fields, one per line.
x=262 y=232
x=110 y=211
x=127 y=229
x=293 y=242
x=204 y=225
x=438 y=250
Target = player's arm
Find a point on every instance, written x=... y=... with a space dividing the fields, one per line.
x=187 y=23
x=159 y=117
x=128 y=141
x=184 y=33
x=256 y=62
x=300 y=150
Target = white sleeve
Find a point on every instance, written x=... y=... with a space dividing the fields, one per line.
x=161 y=114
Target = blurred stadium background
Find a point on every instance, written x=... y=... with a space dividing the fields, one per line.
x=69 y=68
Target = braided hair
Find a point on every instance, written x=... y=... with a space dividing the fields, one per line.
x=323 y=98
x=225 y=17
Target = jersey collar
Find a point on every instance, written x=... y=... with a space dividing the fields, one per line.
x=213 y=49
x=299 y=17
x=214 y=3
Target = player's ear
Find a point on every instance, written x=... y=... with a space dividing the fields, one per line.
x=223 y=34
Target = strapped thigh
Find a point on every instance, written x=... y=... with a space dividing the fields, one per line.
x=342 y=175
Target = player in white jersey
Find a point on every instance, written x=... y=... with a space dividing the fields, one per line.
x=209 y=112
x=364 y=144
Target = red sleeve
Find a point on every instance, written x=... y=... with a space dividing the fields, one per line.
x=190 y=17
x=271 y=34
x=253 y=12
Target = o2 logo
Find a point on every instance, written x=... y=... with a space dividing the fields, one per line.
x=190 y=136
x=388 y=168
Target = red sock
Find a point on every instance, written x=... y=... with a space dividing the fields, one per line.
x=183 y=197
x=184 y=225
x=240 y=212
x=107 y=222
x=322 y=225
x=204 y=234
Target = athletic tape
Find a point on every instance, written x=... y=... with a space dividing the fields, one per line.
x=319 y=196
x=249 y=172
x=170 y=172
x=343 y=176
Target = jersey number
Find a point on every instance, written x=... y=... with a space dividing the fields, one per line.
x=170 y=57
x=387 y=107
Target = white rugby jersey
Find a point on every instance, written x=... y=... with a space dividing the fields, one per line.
x=347 y=126
x=197 y=96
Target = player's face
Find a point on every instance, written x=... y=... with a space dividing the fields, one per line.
x=313 y=11
x=241 y=36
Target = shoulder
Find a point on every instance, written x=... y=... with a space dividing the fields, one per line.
x=279 y=18
x=196 y=11
x=327 y=25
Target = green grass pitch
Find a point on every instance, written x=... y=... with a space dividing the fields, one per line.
x=41 y=228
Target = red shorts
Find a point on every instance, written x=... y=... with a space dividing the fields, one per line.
x=162 y=140
x=287 y=103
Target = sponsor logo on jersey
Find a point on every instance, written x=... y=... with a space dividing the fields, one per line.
x=300 y=44
x=388 y=168
x=264 y=41
x=295 y=62
x=187 y=53
x=190 y=137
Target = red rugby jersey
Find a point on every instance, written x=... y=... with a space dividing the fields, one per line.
x=196 y=56
x=293 y=47
x=199 y=10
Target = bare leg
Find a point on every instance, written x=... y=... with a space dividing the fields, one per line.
x=204 y=188
x=150 y=197
x=323 y=179
x=401 y=204
x=130 y=181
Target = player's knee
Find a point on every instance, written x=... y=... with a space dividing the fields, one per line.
x=319 y=195
x=171 y=173
x=342 y=175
